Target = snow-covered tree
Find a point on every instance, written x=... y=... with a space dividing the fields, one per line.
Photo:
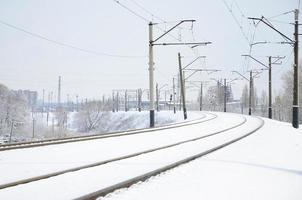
x=13 y=109
x=211 y=100
x=245 y=97
x=263 y=103
x=91 y=114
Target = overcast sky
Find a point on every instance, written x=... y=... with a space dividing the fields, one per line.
x=104 y=26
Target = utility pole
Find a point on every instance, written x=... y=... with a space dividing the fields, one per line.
x=184 y=83
x=182 y=89
x=113 y=110
x=296 y=73
x=174 y=96
x=126 y=101
x=151 y=75
x=251 y=92
x=33 y=135
x=269 y=68
x=59 y=92
x=117 y=102
x=294 y=43
x=251 y=86
x=136 y=96
x=194 y=72
x=140 y=100
x=152 y=42
x=270 y=87
x=179 y=92
x=222 y=91
x=11 y=131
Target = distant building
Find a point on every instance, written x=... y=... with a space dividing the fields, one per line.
x=31 y=97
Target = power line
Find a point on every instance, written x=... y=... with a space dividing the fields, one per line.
x=143 y=18
x=65 y=44
x=147 y=11
x=236 y=20
x=284 y=13
x=132 y=11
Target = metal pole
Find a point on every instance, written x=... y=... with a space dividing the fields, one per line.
x=270 y=87
x=126 y=106
x=136 y=100
x=151 y=75
x=139 y=100
x=295 y=121
x=174 y=94
x=225 y=96
x=117 y=102
x=59 y=92
x=184 y=82
x=33 y=136
x=11 y=132
x=182 y=88
x=250 y=98
x=179 y=92
x=113 y=103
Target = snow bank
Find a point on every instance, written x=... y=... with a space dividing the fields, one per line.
x=122 y=121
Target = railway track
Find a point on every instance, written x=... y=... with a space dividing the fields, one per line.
x=28 y=180
x=22 y=145
x=144 y=176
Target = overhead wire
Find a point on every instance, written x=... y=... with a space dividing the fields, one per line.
x=236 y=20
x=132 y=11
x=147 y=11
x=288 y=58
x=142 y=17
x=36 y=35
x=278 y=15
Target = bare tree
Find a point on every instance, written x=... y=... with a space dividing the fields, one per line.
x=90 y=116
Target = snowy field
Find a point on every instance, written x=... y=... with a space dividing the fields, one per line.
x=265 y=165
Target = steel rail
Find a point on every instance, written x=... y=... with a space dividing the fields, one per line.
x=144 y=177
x=37 y=178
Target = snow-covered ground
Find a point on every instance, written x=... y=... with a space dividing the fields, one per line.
x=70 y=155
x=265 y=165
x=75 y=184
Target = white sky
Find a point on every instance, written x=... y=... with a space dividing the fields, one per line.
x=27 y=62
